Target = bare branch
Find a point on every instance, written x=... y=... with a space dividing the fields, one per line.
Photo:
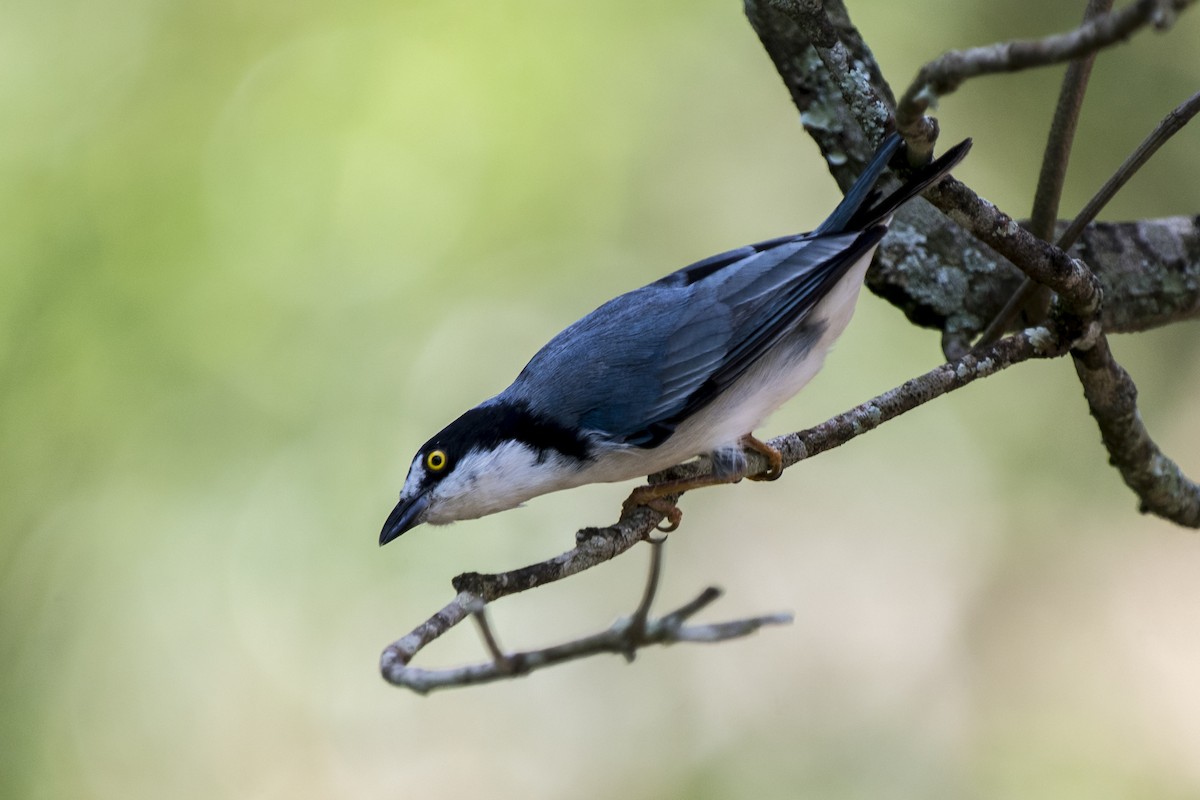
x=1062 y=135
x=1034 y=300
x=1152 y=271
x=946 y=73
x=1076 y=286
x=942 y=278
x=938 y=274
x=1029 y=344
x=624 y=637
x=1111 y=393
x=490 y=642
x=1112 y=398
x=637 y=622
x=1168 y=127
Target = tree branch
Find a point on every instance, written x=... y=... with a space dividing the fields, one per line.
x=1075 y=284
x=1168 y=127
x=625 y=637
x=1149 y=272
x=864 y=94
x=1057 y=155
x=1112 y=399
x=1162 y=487
x=814 y=90
x=1032 y=300
x=946 y=73
x=936 y=273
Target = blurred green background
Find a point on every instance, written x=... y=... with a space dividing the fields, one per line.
x=255 y=253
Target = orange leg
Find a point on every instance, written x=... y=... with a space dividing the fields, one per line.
x=655 y=496
x=773 y=456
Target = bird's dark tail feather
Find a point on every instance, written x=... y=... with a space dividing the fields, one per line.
x=862 y=206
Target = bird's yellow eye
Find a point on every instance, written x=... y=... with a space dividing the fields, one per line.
x=436 y=460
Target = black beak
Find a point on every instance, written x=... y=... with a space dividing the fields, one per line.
x=406 y=514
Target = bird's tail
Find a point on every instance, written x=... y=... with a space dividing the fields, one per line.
x=862 y=205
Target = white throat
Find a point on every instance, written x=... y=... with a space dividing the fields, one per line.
x=486 y=481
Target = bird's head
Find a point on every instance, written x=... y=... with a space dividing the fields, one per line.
x=492 y=458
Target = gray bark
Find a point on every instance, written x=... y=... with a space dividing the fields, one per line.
x=939 y=275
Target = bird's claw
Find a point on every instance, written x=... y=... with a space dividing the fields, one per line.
x=673 y=516
x=774 y=459
x=769 y=474
x=646 y=497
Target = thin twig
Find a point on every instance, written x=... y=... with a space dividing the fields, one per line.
x=1168 y=127
x=502 y=661
x=624 y=637
x=1029 y=344
x=637 y=622
x=1057 y=154
x=1032 y=297
x=946 y=73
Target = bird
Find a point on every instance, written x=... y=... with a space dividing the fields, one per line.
x=689 y=365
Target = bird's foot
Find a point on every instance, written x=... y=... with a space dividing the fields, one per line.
x=773 y=456
x=648 y=497
x=658 y=496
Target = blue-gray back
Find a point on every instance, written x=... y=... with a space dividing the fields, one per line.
x=638 y=365
x=634 y=367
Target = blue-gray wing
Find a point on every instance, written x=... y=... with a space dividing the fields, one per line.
x=638 y=365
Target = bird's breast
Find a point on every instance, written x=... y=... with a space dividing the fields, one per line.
x=775 y=378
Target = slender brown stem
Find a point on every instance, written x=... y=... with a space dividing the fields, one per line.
x=1062 y=135
x=1030 y=297
x=1168 y=127
x=484 y=624
x=946 y=73
x=637 y=622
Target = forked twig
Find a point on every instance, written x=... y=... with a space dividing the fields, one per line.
x=502 y=661
x=945 y=74
x=625 y=637
x=638 y=621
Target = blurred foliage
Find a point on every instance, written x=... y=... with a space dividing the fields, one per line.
x=254 y=253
